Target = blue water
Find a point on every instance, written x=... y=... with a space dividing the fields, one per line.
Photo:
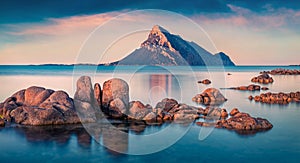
x=149 y=85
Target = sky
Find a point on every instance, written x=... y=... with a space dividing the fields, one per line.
x=58 y=31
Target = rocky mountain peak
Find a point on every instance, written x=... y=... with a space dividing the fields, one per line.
x=157 y=38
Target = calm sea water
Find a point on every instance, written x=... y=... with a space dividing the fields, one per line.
x=167 y=142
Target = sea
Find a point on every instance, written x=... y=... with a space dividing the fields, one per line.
x=118 y=141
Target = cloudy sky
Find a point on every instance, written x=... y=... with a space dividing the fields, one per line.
x=54 y=31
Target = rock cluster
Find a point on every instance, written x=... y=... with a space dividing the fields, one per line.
x=240 y=121
x=39 y=106
x=277 y=98
x=281 y=71
x=264 y=78
x=210 y=96
x=205 y=81
x=251 y=87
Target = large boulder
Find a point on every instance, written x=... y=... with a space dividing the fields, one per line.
x=84 y=100
x=39 y=106
x=115 y=89
x=210 y=96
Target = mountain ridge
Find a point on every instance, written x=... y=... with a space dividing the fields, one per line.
x=163 y=48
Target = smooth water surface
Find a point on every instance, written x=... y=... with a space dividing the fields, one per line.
x=150 y=85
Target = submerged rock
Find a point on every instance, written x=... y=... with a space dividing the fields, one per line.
x=251 y=87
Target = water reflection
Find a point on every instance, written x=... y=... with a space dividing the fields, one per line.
x=60 y=134
x=152 y=88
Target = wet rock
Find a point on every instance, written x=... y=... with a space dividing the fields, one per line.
x=210 y=96
x=205 y=81
x=264 y=78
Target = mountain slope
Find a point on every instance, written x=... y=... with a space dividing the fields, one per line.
x=164 y=48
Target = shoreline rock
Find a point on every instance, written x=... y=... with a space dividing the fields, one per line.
x=281 y=71
x=39 y=106
x=264 y=78
x=276 y=98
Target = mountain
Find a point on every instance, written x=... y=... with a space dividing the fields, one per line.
x=164 y=48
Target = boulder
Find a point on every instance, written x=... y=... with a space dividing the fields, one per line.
x=46 y=107
x=138 y=110
x=113 y=89
x=84 y=90
x=234 y=111
x=84 y=100
x=150 y=117
x=166 y=104
x=117 y=108
x=183 y=112
x=210 y=96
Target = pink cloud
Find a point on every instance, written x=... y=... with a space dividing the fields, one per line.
x=61 y=26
